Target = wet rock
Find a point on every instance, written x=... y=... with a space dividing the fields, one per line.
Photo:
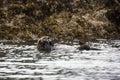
x=84 y=46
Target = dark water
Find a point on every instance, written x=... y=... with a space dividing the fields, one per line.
x=24 y=62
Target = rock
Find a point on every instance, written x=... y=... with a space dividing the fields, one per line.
x=45 y=43
x=84 y=46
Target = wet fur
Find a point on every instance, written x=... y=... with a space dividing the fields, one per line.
x=45 y=44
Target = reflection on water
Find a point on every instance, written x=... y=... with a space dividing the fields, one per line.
x=24 y=62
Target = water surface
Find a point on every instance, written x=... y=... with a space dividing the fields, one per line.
x=66 y=62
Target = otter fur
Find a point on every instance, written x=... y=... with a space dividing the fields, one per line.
x=45 y=43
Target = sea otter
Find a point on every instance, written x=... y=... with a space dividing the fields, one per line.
x=84 y=46
x=45 y=43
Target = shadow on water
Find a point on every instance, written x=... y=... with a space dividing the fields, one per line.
x=65 y=62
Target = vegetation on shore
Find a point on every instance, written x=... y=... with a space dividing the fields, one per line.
x=62 y=19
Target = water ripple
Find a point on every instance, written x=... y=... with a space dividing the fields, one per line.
x=66 y=62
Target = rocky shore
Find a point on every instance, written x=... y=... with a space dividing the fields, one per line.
x=65 y=20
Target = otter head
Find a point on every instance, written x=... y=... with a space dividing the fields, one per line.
x=45 y=43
